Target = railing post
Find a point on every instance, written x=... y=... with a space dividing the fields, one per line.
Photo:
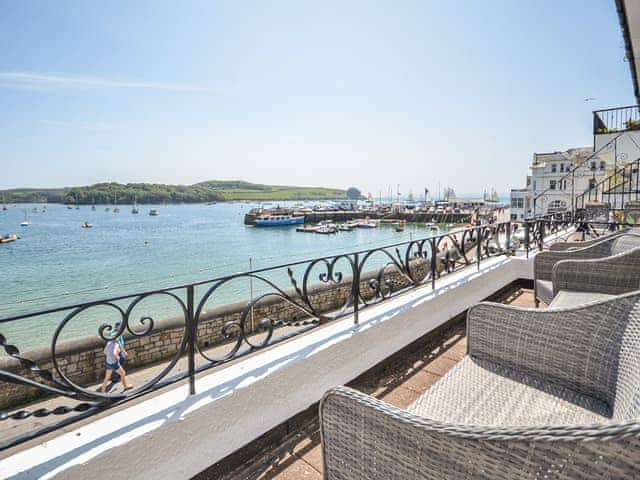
x=479 y=248
x=356 y=289
x=526 y=238
x=432 y=241
x=508 y=242
x=191 y=339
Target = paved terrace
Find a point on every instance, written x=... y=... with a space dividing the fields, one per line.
x=297 y=454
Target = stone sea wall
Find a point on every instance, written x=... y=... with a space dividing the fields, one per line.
x=82 y=361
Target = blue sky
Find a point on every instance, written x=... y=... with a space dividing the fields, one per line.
x=329 y=93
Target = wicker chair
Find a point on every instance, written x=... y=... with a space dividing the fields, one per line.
x=576 y=282
x=549 y=393
x=564 y=246
x=544 y=262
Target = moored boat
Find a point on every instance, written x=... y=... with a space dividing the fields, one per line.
x=278 y=220
x=153 y=212
x=8 y=237
x=87 y=225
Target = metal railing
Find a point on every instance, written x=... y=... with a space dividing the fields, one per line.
x=365 y=277
x=616 y=189
x=620 y=119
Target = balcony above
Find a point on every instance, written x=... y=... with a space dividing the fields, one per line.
x=616 y=120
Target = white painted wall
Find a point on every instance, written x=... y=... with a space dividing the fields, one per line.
x=173 y=435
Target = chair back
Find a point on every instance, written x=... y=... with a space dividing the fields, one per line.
x=626 y=401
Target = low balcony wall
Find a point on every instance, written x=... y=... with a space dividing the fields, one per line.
x=175 y=435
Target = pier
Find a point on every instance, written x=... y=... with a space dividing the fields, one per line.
x=345 y=216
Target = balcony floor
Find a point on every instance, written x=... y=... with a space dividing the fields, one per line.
x=399 y=383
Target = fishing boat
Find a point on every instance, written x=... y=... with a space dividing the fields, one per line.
x=153 y=212
x=278 y=220
x=87 y=225
x=8 y=237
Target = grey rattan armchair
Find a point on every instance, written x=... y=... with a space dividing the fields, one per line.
x=564 y=246
x=544 y=262
x=549 y=393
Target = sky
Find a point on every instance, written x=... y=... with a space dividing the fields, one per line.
x=320 y=93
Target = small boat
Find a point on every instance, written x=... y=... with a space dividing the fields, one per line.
x=34 y=209
x=93 y=208
x=106 y=209
x=450 y=225
x=4 y=208
x=25 y=223
x=153 y=212
x=327 y=230
x=367 y=225
x=116 y=210
x=134 y=209
x=278 y=220
x=399 y=228
x=306 y=229
x=345 y=227
x=69 y=207
x=87 y=225
x=434 y=228
x=8 y=237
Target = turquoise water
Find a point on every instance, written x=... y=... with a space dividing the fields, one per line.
x=56 y=262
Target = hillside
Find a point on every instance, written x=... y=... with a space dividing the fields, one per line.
x=153 y=193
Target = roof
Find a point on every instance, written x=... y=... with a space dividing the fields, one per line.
x=629 y=14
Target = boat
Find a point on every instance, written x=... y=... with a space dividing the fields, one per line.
x=34 y=209
x=87 y=225
x=306 y=229
x=116 y=209
x=434 y=228
x=134 y=209
x=345 y=227
x=328 y=229
x=93 y=208
x=399 y=228
x=278 y=220
x=69 y=207
x=106 y=209
x=367 y=225
x=25 y=222
x=8 y=237
x=153 y=212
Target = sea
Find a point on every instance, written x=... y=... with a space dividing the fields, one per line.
x=55 y=262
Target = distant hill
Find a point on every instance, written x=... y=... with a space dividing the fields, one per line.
x=213 y=190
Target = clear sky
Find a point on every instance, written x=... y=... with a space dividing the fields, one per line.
x=330 y=93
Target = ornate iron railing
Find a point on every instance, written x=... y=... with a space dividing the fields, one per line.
x=290 y=299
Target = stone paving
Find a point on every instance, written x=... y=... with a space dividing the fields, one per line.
x=401 y=382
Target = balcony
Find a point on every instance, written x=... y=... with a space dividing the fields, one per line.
x=390 y=328
x=616 y=120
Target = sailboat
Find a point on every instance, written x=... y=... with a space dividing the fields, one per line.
x=115 y=202
x=134 y=209
x=4 y=207
x=25 y=223
x=93 y=207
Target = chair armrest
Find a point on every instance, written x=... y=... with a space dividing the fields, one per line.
x=613 y=275
x=543 y=262
x=564 y=246
x=577 y=347
x=365 y=438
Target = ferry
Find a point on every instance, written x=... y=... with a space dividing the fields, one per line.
x=278 y=220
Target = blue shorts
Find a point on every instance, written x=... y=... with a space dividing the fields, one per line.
x=112 y=366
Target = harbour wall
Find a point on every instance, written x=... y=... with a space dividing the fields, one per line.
x=82 y=360
x=345 y=216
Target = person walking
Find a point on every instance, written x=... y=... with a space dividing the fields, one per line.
x=119 y=335
x=112 y=364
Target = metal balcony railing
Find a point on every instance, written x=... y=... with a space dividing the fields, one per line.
x=613 y=120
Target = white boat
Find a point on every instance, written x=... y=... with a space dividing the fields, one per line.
x=134 y=209
x=25 y=223
x=87 y=225
x=153 y=212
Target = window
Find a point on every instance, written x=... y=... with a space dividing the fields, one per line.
x=517 y=203
x=562 y=167
x=593 y=165
x=552 y=185
x=603 y=165
x=592 y=183
x=553 y=168
x=534 y=185
x=564 y=184
x=557 y=206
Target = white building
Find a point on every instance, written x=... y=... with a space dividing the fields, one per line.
x=556 y=179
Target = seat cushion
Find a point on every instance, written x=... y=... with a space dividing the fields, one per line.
x=478 y=392
x=544 y=290
x=567 y=298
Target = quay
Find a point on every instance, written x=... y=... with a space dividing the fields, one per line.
x=345 y=216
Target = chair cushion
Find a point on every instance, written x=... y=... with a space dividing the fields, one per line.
x=478 y=392
x=544 y=290
x=567 y=298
